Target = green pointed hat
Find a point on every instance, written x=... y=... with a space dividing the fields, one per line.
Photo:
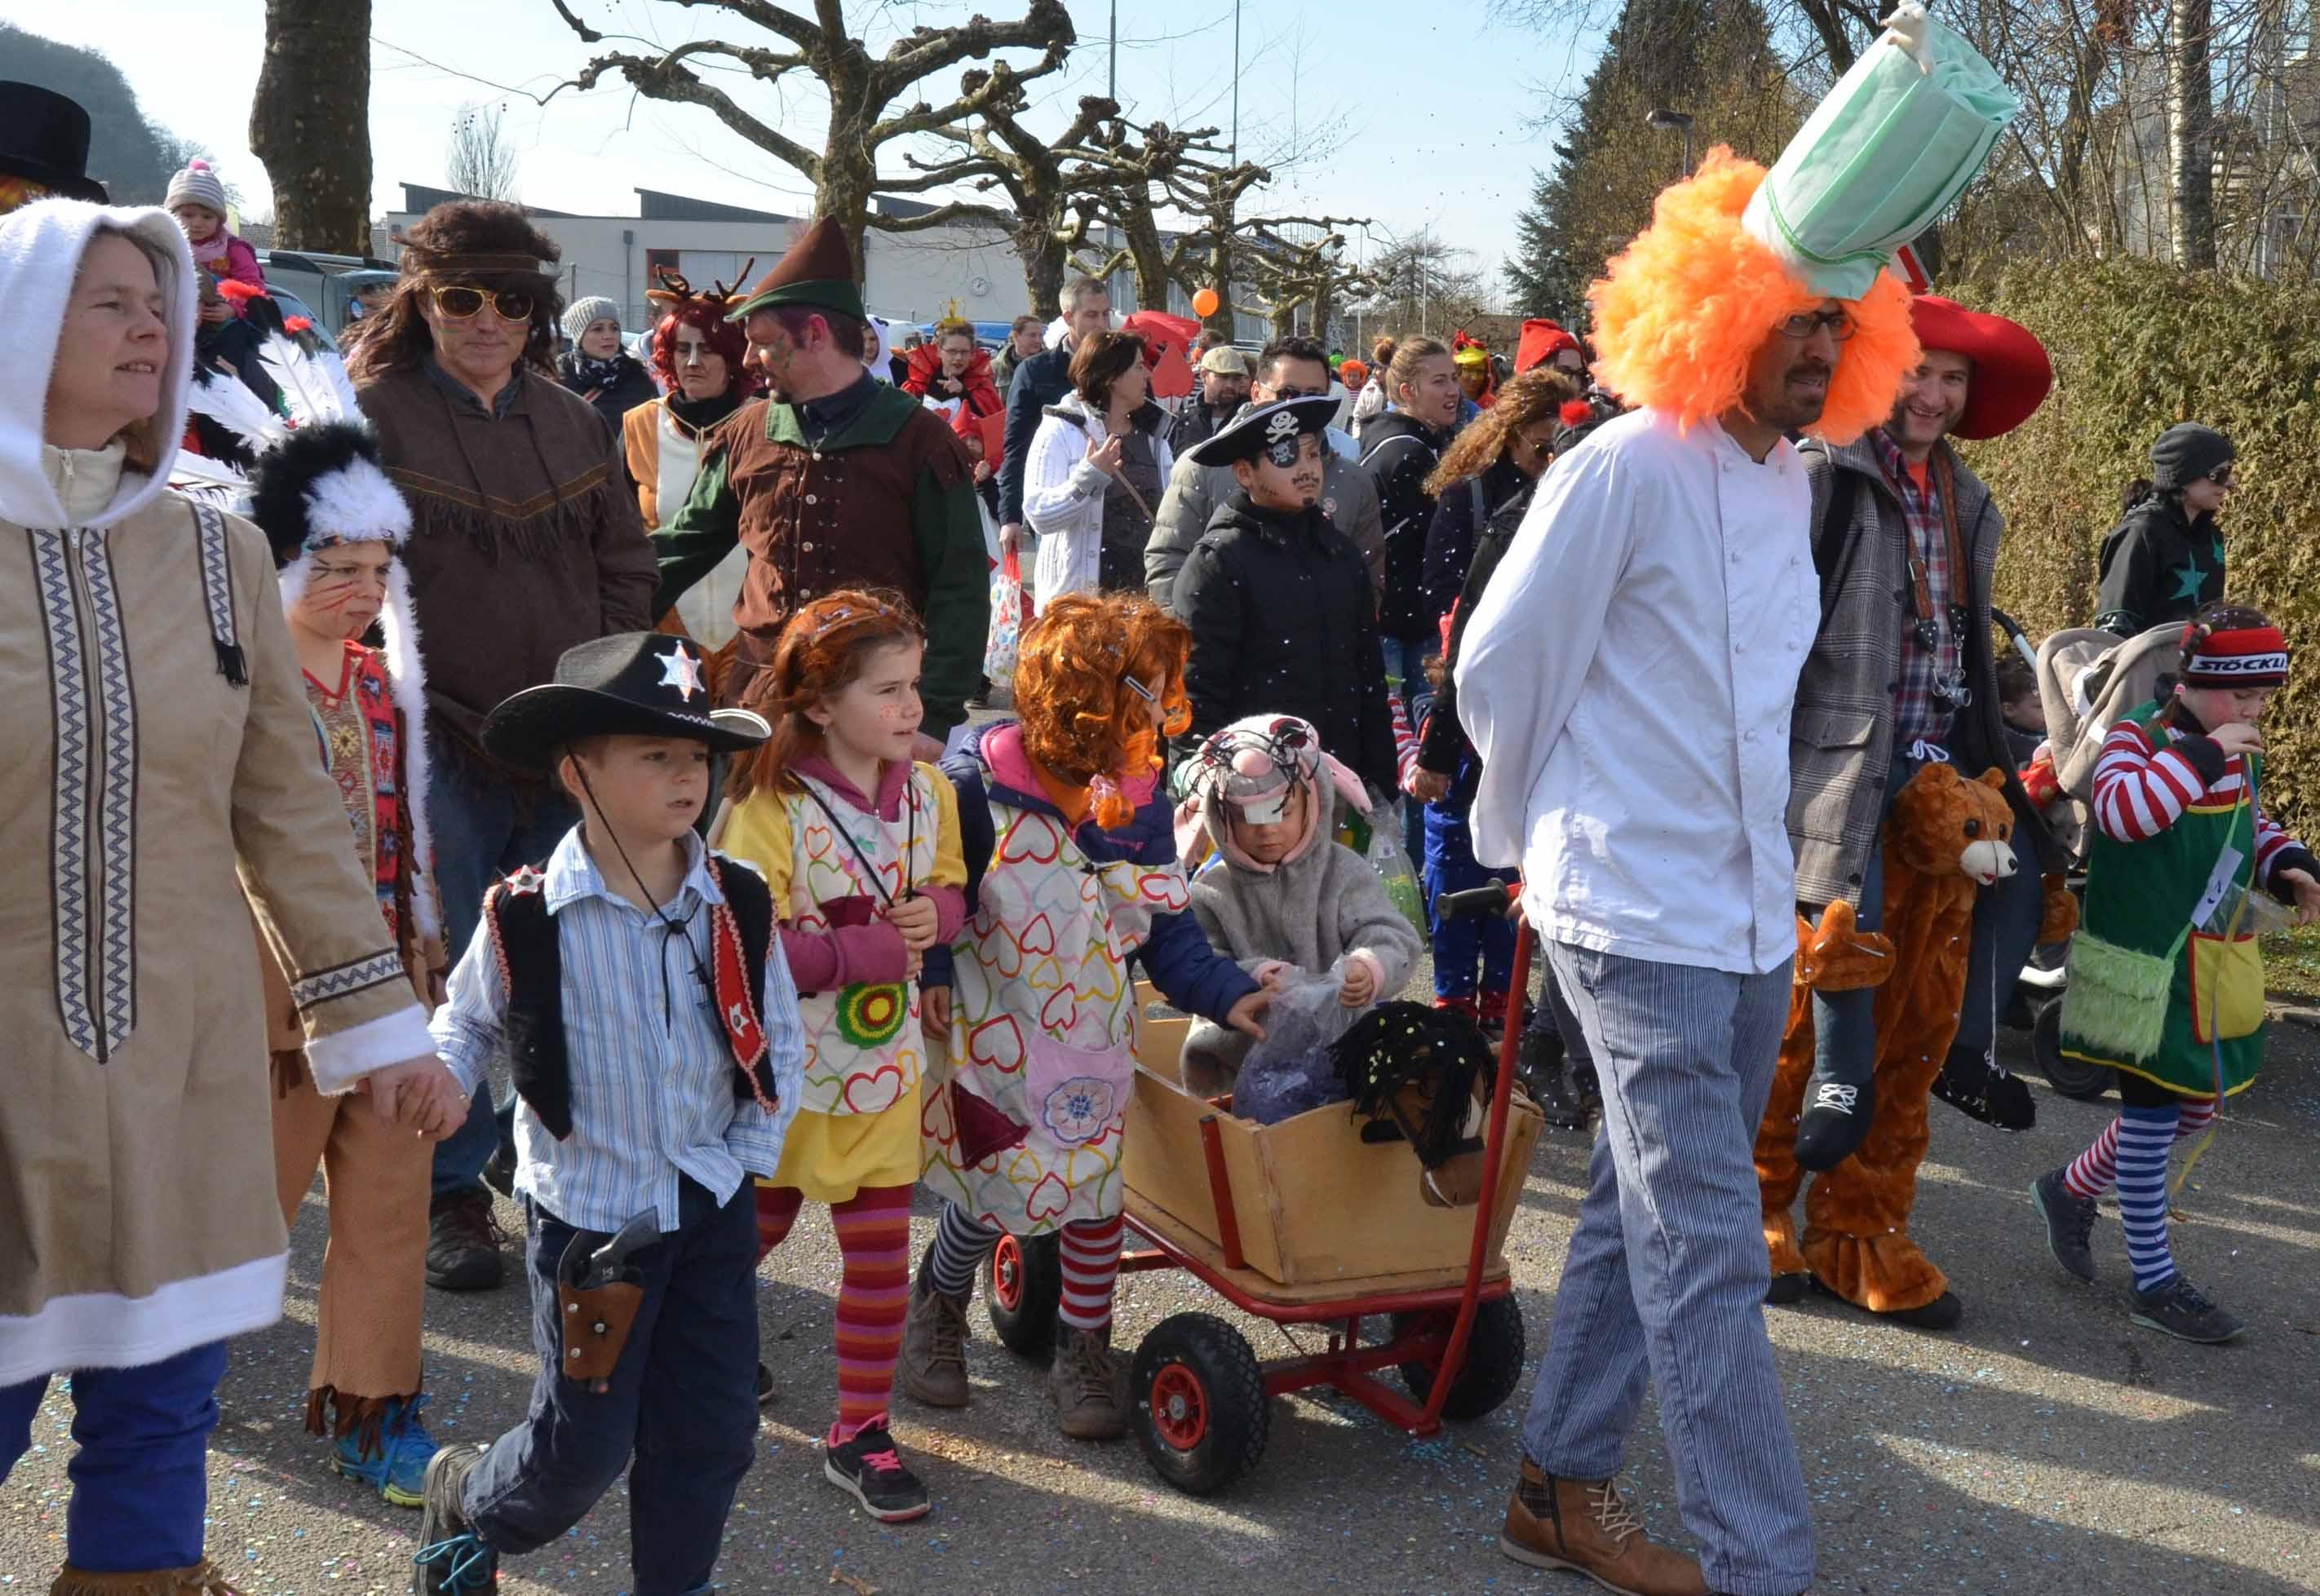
x=818 y=273
x=1897 y=139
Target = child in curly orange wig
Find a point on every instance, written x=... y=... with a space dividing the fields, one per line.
x=1072 y=868
x=861 y=848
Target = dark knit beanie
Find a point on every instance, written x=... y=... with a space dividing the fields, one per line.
x=2187 y=452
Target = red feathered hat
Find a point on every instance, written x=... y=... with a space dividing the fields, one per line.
x=1541 y=340
x=2011 y=372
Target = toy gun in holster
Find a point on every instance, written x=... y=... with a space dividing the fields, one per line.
x=598 y=1292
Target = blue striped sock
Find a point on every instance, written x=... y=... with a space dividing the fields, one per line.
x=961 y=1244
x=2145 y=1135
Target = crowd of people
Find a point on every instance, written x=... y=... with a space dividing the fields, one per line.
x=646 y=686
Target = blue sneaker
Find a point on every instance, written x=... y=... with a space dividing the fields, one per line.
x=396 y=1465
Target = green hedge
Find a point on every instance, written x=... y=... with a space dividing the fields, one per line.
x=2137 y=346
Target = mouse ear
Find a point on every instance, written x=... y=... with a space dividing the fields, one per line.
x=1348 y=785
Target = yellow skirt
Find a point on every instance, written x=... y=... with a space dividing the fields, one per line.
x=830 y=1157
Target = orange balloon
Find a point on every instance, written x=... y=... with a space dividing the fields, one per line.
x=1205 y=302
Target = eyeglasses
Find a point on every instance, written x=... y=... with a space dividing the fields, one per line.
x=1840 y=324
x=458 y=302
x=2223 y=476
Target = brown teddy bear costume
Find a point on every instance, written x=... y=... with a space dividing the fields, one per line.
x=1947 y=838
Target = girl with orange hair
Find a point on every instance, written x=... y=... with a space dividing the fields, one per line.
x=861 y=848
x=1072 y=867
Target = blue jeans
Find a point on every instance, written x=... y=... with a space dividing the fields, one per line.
x=140 y=1480
x=1405 y=673
x=478 y=838
x=682 y=1402
x=1459 y=943
x=1667 y=1271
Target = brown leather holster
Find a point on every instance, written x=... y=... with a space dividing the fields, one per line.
x=595 y=1322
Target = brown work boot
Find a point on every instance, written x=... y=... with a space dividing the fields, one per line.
x=934 y=1345
x=202 y=1579
x=1582 y=1525
x=463 y=1242
x=1087 y=1385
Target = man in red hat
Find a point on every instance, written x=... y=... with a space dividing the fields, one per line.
x=1905 y=538
x=833 y=480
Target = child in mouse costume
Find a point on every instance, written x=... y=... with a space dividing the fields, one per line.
x=860 y=846
x=1071 y=872
x=2166 y=981
x=1282 y=896
x=337 y=525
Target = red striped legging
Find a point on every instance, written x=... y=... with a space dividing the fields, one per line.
x=873 y=1293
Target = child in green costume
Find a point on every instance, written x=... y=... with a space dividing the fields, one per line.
x=2166 y=983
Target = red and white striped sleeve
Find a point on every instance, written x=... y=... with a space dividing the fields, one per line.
x=1405 y=741
x=2271 y=841
x=2140 y=788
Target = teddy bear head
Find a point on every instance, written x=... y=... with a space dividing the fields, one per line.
x=1943 y=825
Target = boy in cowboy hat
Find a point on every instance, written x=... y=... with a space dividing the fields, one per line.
x=651 y=1027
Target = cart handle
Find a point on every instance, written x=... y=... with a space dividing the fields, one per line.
x=1492 y=897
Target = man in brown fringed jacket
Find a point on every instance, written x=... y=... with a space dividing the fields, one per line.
x=525 y=540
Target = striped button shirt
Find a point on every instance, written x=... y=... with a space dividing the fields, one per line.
x=652 y=1072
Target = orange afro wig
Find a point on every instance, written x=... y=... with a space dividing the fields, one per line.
x=1083 y=720
x=1684 y=308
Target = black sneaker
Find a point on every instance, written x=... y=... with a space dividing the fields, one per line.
x=2070 y=1223
x=765 y=1384
x=870 y=1470
x=452 y=1559
x=1975 y=1085
x=1785 y=1291
x=463 y=1242
x=2176 y=1307
x=1834 y=1123
x=1546 y=1077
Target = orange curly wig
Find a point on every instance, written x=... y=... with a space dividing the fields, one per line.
x=1081 y=722
x=1684 y=307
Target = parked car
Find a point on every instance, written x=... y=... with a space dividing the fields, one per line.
x=323 y=285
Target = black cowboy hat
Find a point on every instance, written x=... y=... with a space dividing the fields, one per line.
x=44 y=138
x=631 y=684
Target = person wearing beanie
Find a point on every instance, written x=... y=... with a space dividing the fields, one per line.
x=2165 y=558
x=2166 y=981
x=1628 y=681
x=596 y=367
x=196 y=198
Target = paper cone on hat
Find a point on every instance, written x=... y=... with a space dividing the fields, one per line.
x=817 y=273
x=1885 y=154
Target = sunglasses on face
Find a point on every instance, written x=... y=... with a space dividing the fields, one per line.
x=2223 y=476
x=460 y=302
x=1291 y=391
x=1840 y=324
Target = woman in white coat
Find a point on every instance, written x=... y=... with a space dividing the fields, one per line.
x=1097 y=468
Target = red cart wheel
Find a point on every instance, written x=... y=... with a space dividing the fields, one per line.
x=1494 y=1358
x=1202 y=1411
x=1022 y=1288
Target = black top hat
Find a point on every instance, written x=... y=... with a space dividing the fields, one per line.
x=44 y=137
x=1263 y=428
x=632 y=684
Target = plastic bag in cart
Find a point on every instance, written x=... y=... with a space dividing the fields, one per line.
x=1391 y=861
x=1289 y=1070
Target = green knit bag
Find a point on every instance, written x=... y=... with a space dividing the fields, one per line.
x=2115 y=1006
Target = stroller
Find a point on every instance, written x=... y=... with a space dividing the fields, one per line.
x=2088 y=681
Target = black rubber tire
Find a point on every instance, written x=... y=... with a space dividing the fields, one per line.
x=1028 y=1327
x=1494 y=1358
x=1207 y=1359
x=2084 y=1082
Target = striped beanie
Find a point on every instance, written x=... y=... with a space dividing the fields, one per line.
x=196 y=186
x=2231 y=649
x=580 y=312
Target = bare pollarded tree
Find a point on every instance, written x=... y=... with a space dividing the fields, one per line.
x=479 y=160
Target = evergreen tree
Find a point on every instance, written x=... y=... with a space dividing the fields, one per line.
x=1712 y=58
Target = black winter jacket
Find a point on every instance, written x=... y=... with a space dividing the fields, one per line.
x=1282 y=624
x=1038 y=383
x=1442 y=741
x=1399 y=455
x=2158 y=566
x=632 y=387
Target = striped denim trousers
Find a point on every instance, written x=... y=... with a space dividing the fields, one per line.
x=1667 y=1270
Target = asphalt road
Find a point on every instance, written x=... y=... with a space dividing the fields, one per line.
x=2047 y=1447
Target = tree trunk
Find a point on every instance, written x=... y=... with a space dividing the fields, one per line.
x=2190 y=117
x=1041 y=251
x=310 y=123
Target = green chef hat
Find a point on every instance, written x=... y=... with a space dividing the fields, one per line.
x=1897 y=139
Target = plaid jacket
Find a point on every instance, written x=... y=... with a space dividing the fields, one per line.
x=1841 y=736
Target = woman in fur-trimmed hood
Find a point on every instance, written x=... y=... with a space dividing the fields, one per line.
x=160 y=757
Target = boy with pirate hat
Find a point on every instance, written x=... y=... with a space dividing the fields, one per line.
x=651 y=1026
x=1282 y=615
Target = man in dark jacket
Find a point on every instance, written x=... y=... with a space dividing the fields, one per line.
x=1038 y=382
x=1905 y=538
x=1279 y=603
x=2164 y=561
x=1224 y=388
